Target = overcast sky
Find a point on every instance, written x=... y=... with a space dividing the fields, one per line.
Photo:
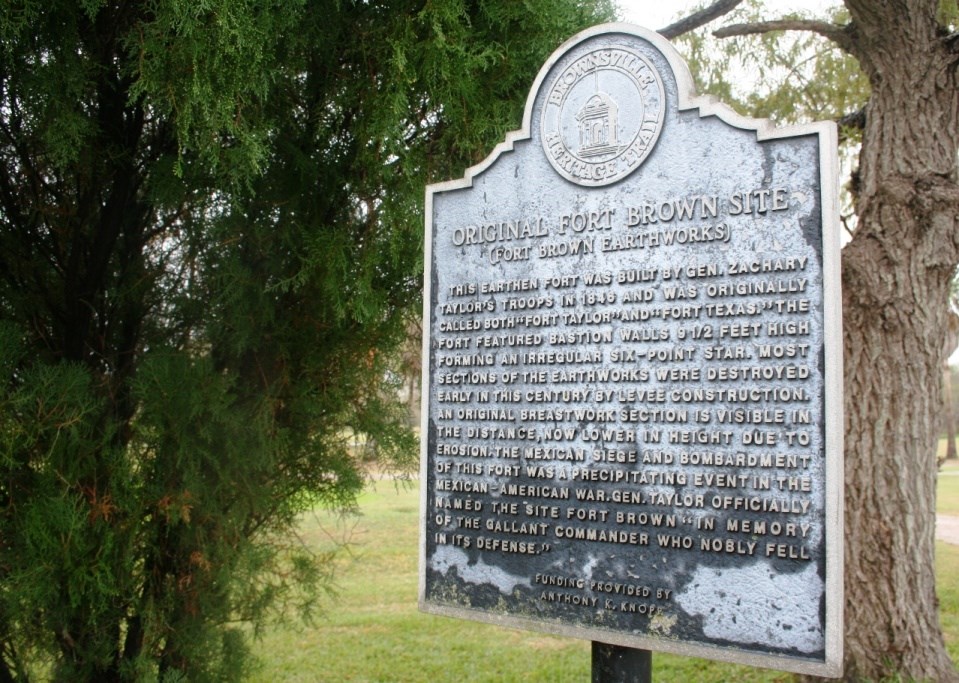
x=657 y=14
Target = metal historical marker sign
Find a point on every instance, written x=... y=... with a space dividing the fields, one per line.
x=632 y=371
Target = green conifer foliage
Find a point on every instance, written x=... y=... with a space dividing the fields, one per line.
x=210 y=241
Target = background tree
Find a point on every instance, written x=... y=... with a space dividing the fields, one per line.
x=897 y=272
x=948 y=423
x=210 y=232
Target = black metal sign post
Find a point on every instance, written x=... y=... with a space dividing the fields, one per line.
x=615 y=664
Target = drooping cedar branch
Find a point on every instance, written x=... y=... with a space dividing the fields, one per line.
x=701 y=18
x=841 y=35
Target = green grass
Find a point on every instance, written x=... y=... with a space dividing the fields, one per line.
x=372 y=631
x=947 y=584
x=947 y=557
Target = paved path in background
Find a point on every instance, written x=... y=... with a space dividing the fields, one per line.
x=947 y=529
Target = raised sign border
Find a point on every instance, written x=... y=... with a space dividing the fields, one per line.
x=833 y=375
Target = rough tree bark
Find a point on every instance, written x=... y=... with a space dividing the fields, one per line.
x=896 y=278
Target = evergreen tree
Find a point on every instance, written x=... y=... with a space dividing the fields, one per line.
x=210 y=240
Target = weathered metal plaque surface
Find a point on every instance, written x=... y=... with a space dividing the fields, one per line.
x=632 y=371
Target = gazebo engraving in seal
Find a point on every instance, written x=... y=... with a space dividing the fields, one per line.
x=585 y=138
x=598 y=122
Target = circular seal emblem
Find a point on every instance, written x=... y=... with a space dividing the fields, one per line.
x=602 y=116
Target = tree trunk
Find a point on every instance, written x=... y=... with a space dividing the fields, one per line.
x=896 y=276
x=949 y=411
x=891 y=434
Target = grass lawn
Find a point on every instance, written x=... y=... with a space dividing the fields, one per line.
x=372 y=631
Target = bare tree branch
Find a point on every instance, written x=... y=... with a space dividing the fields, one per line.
x=700 y=18
x=834 y=32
